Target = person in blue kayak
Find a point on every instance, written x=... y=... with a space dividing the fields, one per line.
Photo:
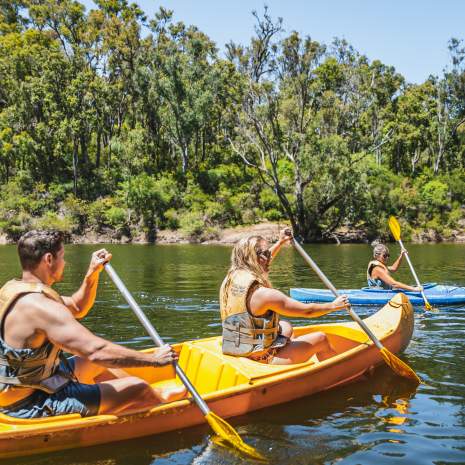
x=251 y=309
x=379 y=273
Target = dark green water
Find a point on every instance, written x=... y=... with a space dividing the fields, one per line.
x=377 y=420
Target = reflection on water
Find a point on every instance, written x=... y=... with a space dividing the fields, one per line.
x=377 y=420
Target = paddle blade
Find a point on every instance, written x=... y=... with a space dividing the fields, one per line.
x=400 y=367
x=394 y=226
x=228 y=434
x=430 y=308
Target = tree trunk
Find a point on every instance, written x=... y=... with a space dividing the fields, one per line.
x=185 y=159
x=99 y=148
x=75 y=164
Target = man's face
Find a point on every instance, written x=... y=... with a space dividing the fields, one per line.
x=57 y=265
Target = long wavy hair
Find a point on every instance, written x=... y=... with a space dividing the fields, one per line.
x=244 y=257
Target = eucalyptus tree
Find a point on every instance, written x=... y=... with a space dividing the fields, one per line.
x=455 y=85
x=34 y=74
x=66 y=95
x=305 y=121
x=11 y=17
x=184 y=82
x=412 y=129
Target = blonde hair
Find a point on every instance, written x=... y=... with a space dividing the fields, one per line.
x=244 y=257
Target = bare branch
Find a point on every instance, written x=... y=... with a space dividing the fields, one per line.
x=244 y=158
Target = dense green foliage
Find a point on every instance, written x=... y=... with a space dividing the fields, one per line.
x=105 y=127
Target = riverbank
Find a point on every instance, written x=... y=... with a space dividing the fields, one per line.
x=269 y=230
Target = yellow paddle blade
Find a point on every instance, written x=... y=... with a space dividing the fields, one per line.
x=228 y=434
x=400 y=367
x=430 y=308
x=394 y=226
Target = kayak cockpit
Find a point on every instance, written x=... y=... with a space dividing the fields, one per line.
x=231 y=386
x=210 y=370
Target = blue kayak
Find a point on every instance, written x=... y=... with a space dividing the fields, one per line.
x=437 y=294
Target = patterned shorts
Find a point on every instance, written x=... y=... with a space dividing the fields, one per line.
x=73 y=398
x=268 y=355
x=265 y=357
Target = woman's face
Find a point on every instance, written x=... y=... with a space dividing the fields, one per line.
x=383 y=257
x=264 y=255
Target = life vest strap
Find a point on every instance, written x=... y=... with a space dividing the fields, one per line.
x=7 y=362
x=244 y=330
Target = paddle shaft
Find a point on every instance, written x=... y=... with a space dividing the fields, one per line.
x=412 y=269
x=330 y=286
x=154 y=335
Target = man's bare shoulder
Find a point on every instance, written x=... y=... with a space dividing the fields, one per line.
x=37 y=305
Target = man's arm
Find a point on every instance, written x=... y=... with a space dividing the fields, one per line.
x=61 y=327
x=264 y=299
x=83 y=299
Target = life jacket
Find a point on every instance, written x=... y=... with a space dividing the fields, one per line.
x=27 y=368
x=376 y=282
x=243 y=333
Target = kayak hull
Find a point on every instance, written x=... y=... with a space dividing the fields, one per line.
x=231 y=386
x=436 y=295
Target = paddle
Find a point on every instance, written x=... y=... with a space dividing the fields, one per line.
x=223 y=429
x=394 y=362
x=394 y=226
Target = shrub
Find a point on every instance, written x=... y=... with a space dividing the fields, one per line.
x=455 y=216
x=250 y=215
x=150 y=197
x=14 y=226
x=171 y=218
x=77 y=209
x=273 y=214
x=116 y=217
x=435 y=195
x=269 y=200
x=192 y=224
x=435 y=224
x=96 y=212
x=51 y=220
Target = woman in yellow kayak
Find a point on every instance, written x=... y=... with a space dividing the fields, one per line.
x=251 y=309
x=378 y=272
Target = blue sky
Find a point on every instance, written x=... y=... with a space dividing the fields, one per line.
x=411 y=35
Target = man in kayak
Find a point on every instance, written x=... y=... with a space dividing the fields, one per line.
x=37 y=324
x=378 y=272
x=251 y=309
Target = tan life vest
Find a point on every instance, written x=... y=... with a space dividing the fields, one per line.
x=37 y=371
x=243 y=333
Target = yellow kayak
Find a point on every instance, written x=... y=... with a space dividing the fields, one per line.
x=231 y=386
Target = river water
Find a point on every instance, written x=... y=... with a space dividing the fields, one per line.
x=375 y=421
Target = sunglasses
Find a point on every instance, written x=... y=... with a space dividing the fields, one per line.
x=265 y=253
x=386 y=255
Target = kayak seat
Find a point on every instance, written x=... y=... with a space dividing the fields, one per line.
x=210 y=370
